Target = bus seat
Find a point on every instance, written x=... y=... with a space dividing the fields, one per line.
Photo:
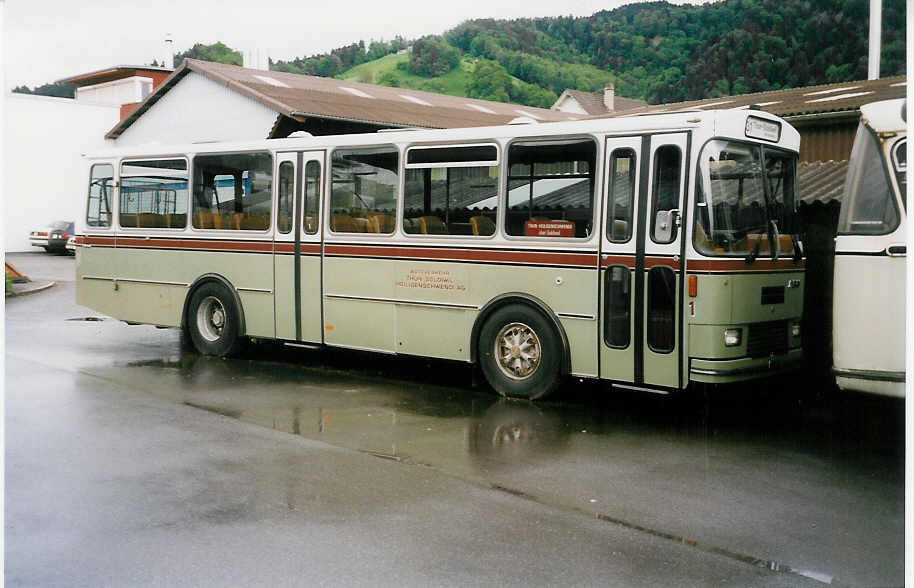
x=620 y=229
x=176 y=221
x=310 y=224
x=344 y=223
x=127 y=220
x=255 y=222
x=482 y=225
x=382 y=223
x=431 y=225
x=150 y=220
x=236 y=220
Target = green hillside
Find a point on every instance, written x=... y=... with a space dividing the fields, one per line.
x=655 y=51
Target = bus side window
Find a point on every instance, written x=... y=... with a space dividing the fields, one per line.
x=233 y=191
x=661 y=309
x=153 y=194
x=551 y=188
x=284 y=206
x=311 y=205
x=667 y=169
x=451 y=190
x=617 y=302
x=621 y=196
x=101 y=184
x=363 y=191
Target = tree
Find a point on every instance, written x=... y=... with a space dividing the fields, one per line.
x=432 y=56
x=217 y=52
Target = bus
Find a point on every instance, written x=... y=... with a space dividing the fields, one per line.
x=650 y=251
x=868 y=353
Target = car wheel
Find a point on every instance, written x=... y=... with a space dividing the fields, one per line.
x=520 y=353
x=214 y=321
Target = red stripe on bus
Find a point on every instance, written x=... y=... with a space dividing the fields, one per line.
x=490 y=255
x=307 y=248
x=739 y=265
x=197 y=244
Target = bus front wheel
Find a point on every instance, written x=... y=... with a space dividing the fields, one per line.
x=213 y=321
x=520 y=353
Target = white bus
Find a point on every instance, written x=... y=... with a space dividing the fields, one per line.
x=869 y=288
x=651 y=251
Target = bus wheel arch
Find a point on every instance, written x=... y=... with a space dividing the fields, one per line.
x=517 y=314
x=213 y=317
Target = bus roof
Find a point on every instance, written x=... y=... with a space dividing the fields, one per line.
x=723 y=123
x=885 y=116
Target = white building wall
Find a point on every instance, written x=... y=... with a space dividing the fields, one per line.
x=117 y=92
x=44 y=177
x=198 y=109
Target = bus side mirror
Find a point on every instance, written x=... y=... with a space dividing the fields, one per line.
x=665 y=225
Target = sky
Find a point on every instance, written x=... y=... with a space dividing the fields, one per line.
x=47 y=40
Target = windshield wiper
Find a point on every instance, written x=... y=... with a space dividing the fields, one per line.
x=750 y=259
x=797 y=249
x=776 y=240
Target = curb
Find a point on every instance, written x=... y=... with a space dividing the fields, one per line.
x=26 y=290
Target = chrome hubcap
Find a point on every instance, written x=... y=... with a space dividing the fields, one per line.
x=517 y=351
x=210 y=318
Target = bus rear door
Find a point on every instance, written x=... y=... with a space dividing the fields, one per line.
x=297 y=252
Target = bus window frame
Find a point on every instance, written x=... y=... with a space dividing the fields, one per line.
x=898 y=169
x=191 y=170
x=327 y=199
x=655 y=186
x=114 y=197
x=597 y=194
x=498 y=163
x=187 y=161
x=693 y=190
x=887 y=163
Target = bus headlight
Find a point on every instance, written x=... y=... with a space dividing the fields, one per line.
x=733 y=337
x=795 y=330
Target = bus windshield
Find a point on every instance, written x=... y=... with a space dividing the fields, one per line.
x=868 y=206
x=745 y=200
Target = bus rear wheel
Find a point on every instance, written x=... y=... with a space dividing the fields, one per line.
x=213 y=321
x=520 y=353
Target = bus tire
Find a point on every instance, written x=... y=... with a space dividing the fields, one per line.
x=214 y=321
x=520 y=353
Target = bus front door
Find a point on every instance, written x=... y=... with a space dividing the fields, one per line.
x=297 y=251
x=640 y=261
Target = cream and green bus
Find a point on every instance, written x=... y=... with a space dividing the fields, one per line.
x=870 y=253
x=649 y=251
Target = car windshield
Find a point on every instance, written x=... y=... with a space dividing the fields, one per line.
x=59 y=225
x=745 y=200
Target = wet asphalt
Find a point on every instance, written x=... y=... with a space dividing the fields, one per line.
x=131 y=461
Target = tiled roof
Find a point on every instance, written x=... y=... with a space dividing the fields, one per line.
x=845 y=97
x=592 y=103
x=299 y=97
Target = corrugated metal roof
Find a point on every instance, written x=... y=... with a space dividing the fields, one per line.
x=300 y=96
x=821 y=181
x=592 y=102
x=794 y=103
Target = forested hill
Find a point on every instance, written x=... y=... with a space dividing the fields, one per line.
x=665 y=53
x=655 y=51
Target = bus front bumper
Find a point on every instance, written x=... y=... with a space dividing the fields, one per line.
x=725 y=371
